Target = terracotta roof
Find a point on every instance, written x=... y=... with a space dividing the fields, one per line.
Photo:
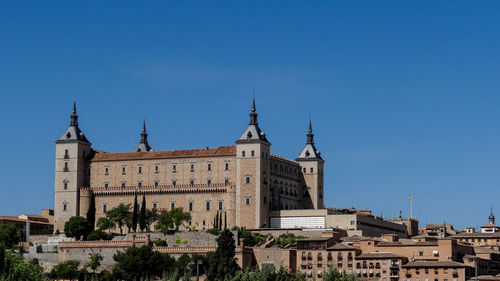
x=435 y=264
x=489 y=225
x=378 y=255
x=341 y=247
x=407 y=243
x=229 y=150
x=477 y=235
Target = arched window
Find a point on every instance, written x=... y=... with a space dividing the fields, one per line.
x=243 y=154
x=304 y=170
x=253 y=153
x=312 y=170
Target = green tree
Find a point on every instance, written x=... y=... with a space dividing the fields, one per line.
x=77 y=227
x=94 y=261
x=104 y=223
x=65 y=270
x=332 y=275
x=98 y=235
x=142 y=262
x=222 y=262
x=150 y=217
x=9 y=235
x=142 y=215
x=2 y=259
x=172 y=220
x=135 y=214
x=91 y=213
x=18 y=269
x=119 y=215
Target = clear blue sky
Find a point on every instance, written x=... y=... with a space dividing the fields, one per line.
x=404 y=95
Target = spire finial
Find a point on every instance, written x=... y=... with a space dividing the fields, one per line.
x=144 y=134
x=310 y=135
x=74 y=116
x=253 y=113
x=491 y=218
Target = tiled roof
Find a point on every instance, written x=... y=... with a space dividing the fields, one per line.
x=435 y=264
x=341 y=247
x=407 y=243
x=229 y=150
x=476 y=235
x=378 y=255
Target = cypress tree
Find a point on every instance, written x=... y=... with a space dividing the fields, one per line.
x=217 y=220
x=142 y=217
x=220 y=221
x=91 y=212
x=134 y=215
x=225 y=220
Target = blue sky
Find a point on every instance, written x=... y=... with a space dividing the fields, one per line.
x=403 y=95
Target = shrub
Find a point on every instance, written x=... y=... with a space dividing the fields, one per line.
x=213 y=231
x=160 y=243
x=98 y=235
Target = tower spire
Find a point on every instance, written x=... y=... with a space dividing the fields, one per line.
x=491 y=218
x=310 y=135
x=74 y=116
x=253 y=113
x=143 y=144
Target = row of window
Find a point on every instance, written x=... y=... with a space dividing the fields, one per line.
x=174 y=183
x=157 y=168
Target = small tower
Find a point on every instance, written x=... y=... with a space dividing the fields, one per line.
x=491 y=218
x=72 y=171
x=143 y=144
x=252 y=168
x=312 y=168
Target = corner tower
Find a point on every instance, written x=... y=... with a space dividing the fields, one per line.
x=312 y=168
x=252 y=173
x=71 y=172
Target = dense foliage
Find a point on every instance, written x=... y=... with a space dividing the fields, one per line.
x=251 y=239
x=170 y=222
x=142 y=262
x=15 y=268
x=119 y=215
x=77 y=227
x=9 y=235
x=222 y=262
x=91 y=213
x=285 y=239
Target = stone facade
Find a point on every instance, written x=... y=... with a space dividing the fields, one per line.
x=244 y=181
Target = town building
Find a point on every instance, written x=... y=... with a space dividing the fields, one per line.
x=245 y=181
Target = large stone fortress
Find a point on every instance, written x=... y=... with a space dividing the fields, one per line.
x=244 y=181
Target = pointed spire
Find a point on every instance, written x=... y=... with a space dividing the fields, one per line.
x=143 y=144
x=74 y=116
x=253 y=114
x=310 y=135
x=491 y=218
x=144 y=134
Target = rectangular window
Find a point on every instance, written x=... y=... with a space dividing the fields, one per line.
x=157 y=169
x=139 y=183
x=66 y=166
x=66 y=154
x=65 y=185
x=190 y=206
x=157 y=183
x=421 y=253
x=247 y=201
x=226 y=181
x=124 y=183
x=106 y=185
x=106 y=171
x=208 y=206
x=226 y=166
x=104 y=208
x=65 y=207
x=174 y=182
x=124 y=170
x=172 y=205
x=247 y=179
x=191 y=182
x=192 y=168
x=204 y=222
x=209 y=181
x=174 y=168
x=220 y=205
x=155 y=205
x=140 y=170
x=209 y=167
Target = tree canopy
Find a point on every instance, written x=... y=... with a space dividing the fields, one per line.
x=9 y=234
x=141 y=262
x=77 y=227
x=119 y=215
x=172 y=220
x=222 y=262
